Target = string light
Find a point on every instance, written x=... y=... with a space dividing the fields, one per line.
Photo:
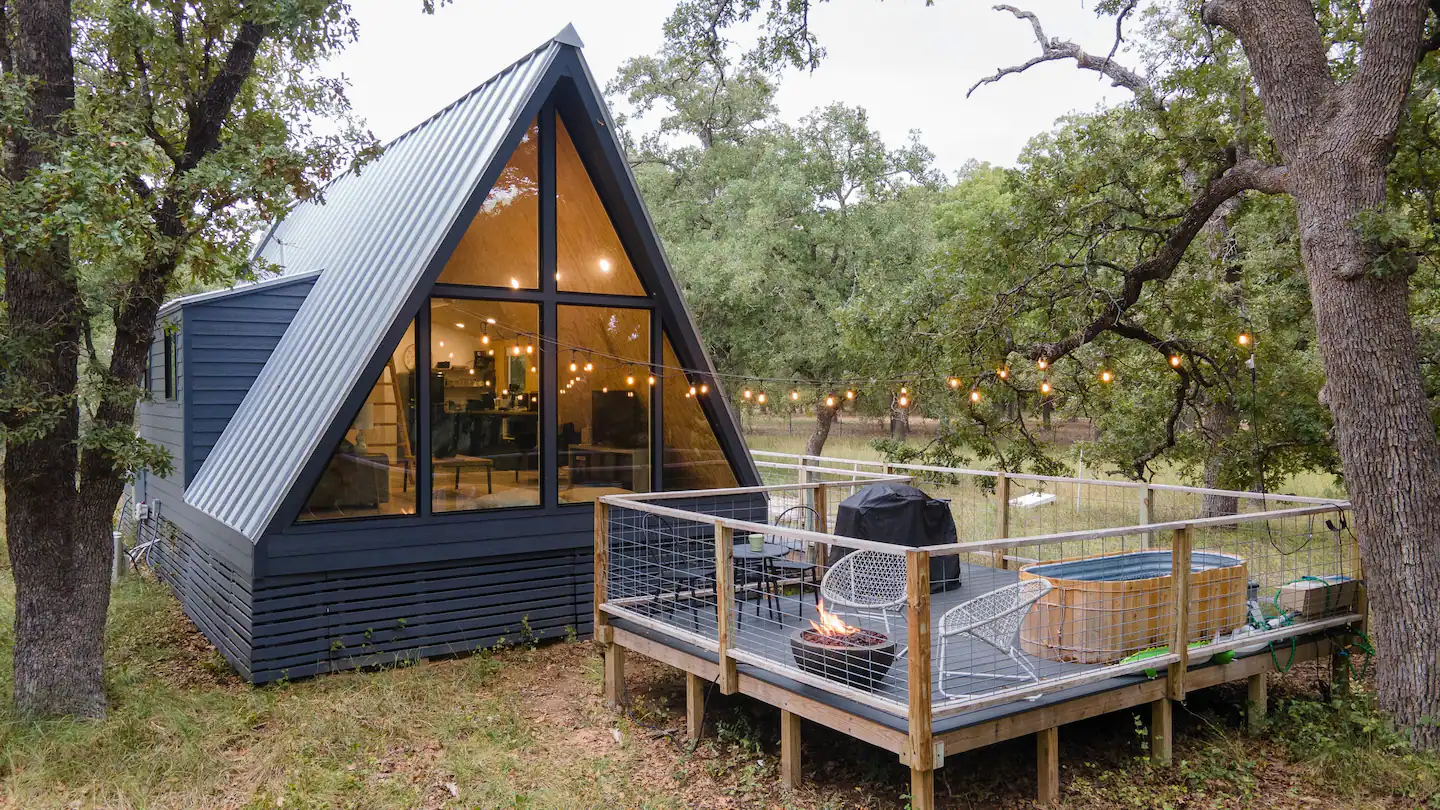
x=850 y=394
x=904 y=401
x=748 y=393
x=692 y=390
x=830 y=402
x=1003 y=373
x=1107 y=376
x=652 y=379
x=1243 y=339
x=704 y=389
x=794 y=396
x=974 y=395
x=1045 y=387
x=760 y=397
x=1042 y=364
x=954 y=382
x=1176 y=360
x=589 y=366
x=629 y=380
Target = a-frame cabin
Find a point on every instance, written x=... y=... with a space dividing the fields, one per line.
x=393 y=450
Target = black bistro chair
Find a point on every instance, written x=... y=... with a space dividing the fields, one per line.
x=681 y=564
x=800 y=570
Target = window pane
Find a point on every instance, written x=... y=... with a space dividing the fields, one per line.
x=484 y=392
x=501 y=248
x=603 y=426
x=692 y=454
x=372 y=471
x=589 y=255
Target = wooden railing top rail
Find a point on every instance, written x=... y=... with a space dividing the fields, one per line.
x=1142 y=528
x=1013 y=476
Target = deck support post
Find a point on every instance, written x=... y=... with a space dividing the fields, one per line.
x=1161 y=732
x=917 y=621
x=614 y=675
x=694 y=706
x=789 y=750
x=1256 y=705
x=1002 y=492
x=729 y=679
x=1047 y=765
x=1146 y=513
x=1180 y=612
x=822 y=525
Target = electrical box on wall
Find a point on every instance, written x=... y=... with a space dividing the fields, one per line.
x=142 y=511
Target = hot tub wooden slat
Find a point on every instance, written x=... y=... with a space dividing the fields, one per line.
x=1102 y=621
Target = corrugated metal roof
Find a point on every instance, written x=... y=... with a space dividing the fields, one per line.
x=239 y=289
x=373 y=236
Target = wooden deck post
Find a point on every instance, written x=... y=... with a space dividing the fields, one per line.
x=694 y=706
x=614 y=675
x=724 y=602
x=1002 y=492
x=1256 y=704
x=602 y=570
x=1161 y=732
x=789 y=749
x=1146 y=514
x=822 y=525
x=917 y=620
x=1180 y=611
x=1047 y=765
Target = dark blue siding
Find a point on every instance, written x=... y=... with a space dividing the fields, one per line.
x=227 y=342
x=162 y=421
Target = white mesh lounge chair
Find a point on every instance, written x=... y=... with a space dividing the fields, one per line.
x=866 y=583
x=993 y=618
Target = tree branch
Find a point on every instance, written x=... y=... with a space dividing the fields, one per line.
x=6 y=62
x=1392 y=45
x=1247 y=175
x=1053 y=50
x=208 y=115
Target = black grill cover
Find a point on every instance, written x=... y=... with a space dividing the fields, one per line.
x=897 y=513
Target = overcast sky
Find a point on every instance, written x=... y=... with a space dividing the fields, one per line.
x=907 y=64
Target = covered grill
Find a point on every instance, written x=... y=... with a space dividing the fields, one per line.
x=892 y=512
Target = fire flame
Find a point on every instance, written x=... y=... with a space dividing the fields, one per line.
x=831 y=625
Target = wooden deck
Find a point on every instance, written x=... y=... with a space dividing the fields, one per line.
x=953 y=734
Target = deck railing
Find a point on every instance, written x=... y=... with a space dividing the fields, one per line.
x=1102 y=580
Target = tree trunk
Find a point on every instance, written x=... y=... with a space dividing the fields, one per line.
x=899 y=424
x=59 y=545
x=824 y=419
x=1383 y=432
x=1218 y=423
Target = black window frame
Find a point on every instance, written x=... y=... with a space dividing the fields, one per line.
x=171 y=355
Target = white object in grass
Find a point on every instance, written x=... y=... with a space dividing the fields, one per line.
x=1031 y=500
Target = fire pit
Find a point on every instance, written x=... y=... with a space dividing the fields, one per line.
x=850 y=655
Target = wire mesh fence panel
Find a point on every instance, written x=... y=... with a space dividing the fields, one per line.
x=662 y=568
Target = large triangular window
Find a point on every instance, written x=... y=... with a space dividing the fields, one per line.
x=501 y=248
x=693 y=458
x=589 y=258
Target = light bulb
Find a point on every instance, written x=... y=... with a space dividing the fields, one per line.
x=954 y=382
x=604 y=265
x=974 y=396
x=1042 y=364
x=605 y=390
x=1243 y=339
x=704 y=389
x=1175 y=361
x=459 y=326
x=850 y=394
x=485 y=340
x=529 y=349
x=532 y=369
x=904 y=390
x=688 y=395
x=574 y=367
x=1106 y=376
x=630 y=380
x=829 y=402
x=1045 y=387
x=747 y=393
x=472 y=371
x=692 y=390
x=904 y=401
x=452 y=355
x=442 y=344
x=652 y=379
x=491 y=352
x=1002 y=373
x=490 y=321
x=794 y=395
x=589 y=366
x=760 y=398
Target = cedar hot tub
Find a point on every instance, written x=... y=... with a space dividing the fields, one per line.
x=1103 y=608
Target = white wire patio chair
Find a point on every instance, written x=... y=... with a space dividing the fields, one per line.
x=993 y=618
x=869 y=584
